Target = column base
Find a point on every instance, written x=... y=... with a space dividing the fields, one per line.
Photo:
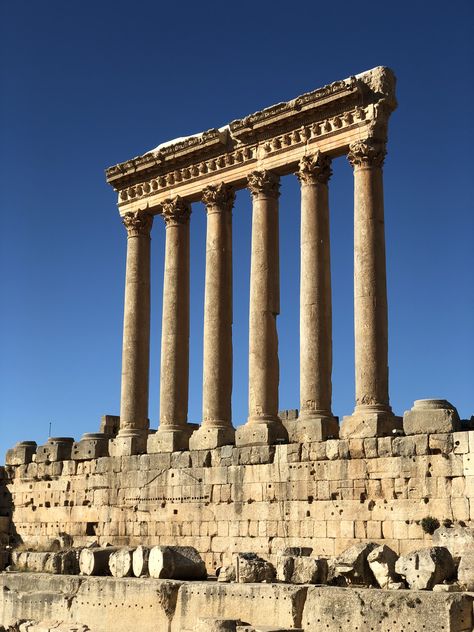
x=92 y=445
x=128 y=443
x=261 y=433
x=170 y=439
x=366 y=422
x=210 y=437
x=312 y=428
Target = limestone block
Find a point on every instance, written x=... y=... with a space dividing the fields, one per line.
x=121 y=562
x=352 y=567
x=261 y=434
x=250 y=568
x=176 y=562
x=431 y=416
x=362 y=425
x=301 y=570
x=424 y=568
x=140 y=561
x=382 y=561
x=21 y=454
x=129 y=445
x=458 y=540
x=93 y=445
x=466 y=570
x=55 y=449
x=110 y=425
x=226 y=574
x=95 y=561
x=205 y=624
x=441 y=443
x=332 y=609
x=309 y=430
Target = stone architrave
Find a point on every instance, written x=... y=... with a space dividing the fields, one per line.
x=263 y=426
x=372 y=415
x=216 y=429
x=316 y=421
x=133 y=432
x=173 y=432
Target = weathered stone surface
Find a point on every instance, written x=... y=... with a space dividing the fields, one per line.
x=121 y=563
x=57 y=562
x=457 y=539
x=466 y=570
x=226 y=574
x=21 y=454
x=250 y=568
x=140 y=561
x=332 y=609
x=95 y=561
x=301 y=570
x=382 y=561
x=176 y=562
x=424 y=568
x=205 y=624
x=55 y=449
x=93 y=445
x=352 y=567
x=431 y=416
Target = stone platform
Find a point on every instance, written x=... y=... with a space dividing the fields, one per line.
x=104 y=604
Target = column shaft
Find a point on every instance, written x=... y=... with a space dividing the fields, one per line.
x=263 y=425
x=173 y=432
x=372 y=415
x=216 y=428
x=316 y=421
x=136 y=337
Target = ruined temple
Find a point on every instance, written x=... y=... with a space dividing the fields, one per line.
x=320 y=500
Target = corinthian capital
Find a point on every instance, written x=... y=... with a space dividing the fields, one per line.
x=219 y=197
x=264 y=182
x=314 y=169
x=137 y=223
x=176 y=211
x=367 y=153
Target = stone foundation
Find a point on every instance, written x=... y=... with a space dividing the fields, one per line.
x=325 y=495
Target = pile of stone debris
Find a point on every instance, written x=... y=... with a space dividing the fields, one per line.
x=446 y=566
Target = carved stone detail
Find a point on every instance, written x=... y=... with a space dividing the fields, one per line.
x=264 y=182
x=219 y=196
x=367 y=153
x=314 y=169
x=137 y=223
x=176 y=211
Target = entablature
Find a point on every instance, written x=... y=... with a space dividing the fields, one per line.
x=328 y=120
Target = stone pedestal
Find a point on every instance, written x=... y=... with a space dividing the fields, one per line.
x=55 y=449
x=263 y=425
x=91 y=446
x=131 y=438
x=216 y=429
x=173 y=433
x=21 y=454
x=315 y=304
x=431 y=416
x=372 y=414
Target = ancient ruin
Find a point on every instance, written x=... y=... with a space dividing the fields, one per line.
x=299 y=522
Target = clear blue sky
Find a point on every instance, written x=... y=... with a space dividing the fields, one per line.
x=88 y=84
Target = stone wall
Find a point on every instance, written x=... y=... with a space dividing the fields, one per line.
x=326 y=495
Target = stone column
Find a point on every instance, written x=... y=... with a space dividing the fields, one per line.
x=133 y=432
x=216 y=429
x=372 y=415
x=316 y=421
x=173 y=432
x=263 y=426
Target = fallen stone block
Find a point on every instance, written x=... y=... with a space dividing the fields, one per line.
x=424 y=568
x=351 y=567
x=121 y=562
x=216 y=625
x=301 y=570
x=466 y=570
x=250 y=568
x=297 y=551
x=95 y=561
x=176 y=562
x=382 y=561
x=226 y=574
x=458 y=540
x=140 y=561
x=431 y=416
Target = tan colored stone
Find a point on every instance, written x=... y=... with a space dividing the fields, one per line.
x=431 y=416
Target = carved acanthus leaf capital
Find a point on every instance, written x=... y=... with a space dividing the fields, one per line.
x=176 y=211
x=314 y=169
x=367 y=153
x=137 y=223
x=219 y=197
x=264 y=182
